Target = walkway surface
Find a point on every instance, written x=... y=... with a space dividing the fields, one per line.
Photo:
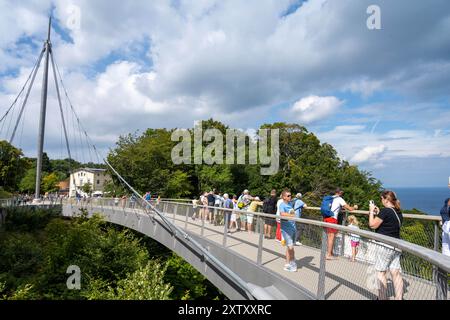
x=344 y=279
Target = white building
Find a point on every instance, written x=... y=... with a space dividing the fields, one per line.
x=97 y=178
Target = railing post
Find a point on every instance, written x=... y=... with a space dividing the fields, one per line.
x=344 y=218
x=322 y=269
x=436 y=236
x=441 y=284
x=260 y=242
x=435 y=269
x=225 y=228
x=187 y=214
x=215 y=217
x=165 y=208
x=175 y=209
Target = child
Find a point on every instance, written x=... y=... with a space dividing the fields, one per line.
x=234 y=217
x=354 y=238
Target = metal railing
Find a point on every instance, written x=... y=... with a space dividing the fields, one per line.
x=423 y=230
x=424 y=271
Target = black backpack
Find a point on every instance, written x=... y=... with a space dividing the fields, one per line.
x=266 y=205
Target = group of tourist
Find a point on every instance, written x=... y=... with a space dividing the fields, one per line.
x=385 y=221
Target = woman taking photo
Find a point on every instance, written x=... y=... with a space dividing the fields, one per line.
x=388 y=222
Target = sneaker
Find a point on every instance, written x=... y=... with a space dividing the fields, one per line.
x=298 y=243
x=277 y=240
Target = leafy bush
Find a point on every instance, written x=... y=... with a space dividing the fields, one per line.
x=146 y=283
x=115 y=263
x=29 y=218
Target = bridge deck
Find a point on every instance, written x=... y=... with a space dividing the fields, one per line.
x=344 y=279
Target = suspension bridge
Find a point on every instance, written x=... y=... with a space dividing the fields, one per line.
x=242 y=265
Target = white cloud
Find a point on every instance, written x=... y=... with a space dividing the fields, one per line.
x=233 y=60
x=315 y=108
x=350 y=128
x=369 y=153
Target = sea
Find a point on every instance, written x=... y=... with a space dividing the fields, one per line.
x=427 y=200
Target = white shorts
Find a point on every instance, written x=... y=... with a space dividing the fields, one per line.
x=233 y=217
x=249 y=218
x=387 y=258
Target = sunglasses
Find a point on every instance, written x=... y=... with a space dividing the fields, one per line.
x=288 y=195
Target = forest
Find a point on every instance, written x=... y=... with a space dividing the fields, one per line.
x=38 y=246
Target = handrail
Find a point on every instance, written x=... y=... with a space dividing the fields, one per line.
x=438 y=259
x=363 y=212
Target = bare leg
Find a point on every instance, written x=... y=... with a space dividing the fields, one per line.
x=353 y=253
x=288 y=256
x=292 y=254
x=330 y=243
x=398 y=283
x=382 y=282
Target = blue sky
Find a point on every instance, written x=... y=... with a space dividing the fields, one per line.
x=380 y=97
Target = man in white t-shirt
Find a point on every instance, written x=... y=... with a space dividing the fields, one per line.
x=278 y=235
x=336 y=207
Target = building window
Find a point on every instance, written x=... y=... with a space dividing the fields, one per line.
x=98 y=181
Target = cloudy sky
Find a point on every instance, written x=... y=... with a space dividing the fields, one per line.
x=381 y=97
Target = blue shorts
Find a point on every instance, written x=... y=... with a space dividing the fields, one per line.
x=288 y=236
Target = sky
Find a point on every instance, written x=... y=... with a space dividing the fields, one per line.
x=381 y=97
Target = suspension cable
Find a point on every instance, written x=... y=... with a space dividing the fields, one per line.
x=27 y=95
x=174 y=229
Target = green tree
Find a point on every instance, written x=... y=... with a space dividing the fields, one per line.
x=87 y=188
x=28 y=182
x=178 y=185
x=305 y=165
x=50 y=182
x=146 y=283
x=12 y=166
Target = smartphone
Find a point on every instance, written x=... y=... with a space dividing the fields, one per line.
x=372 y=202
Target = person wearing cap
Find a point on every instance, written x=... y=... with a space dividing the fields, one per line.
x=298 y=205
x=243 y=203
x=253 y=207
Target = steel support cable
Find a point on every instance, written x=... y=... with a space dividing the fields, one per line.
x=62 y=115
x=23 y=88
x=34 y=72
x=205 y=253
x=80 y=126
x=73 y=109
x=186 y=236
x=21 y=130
